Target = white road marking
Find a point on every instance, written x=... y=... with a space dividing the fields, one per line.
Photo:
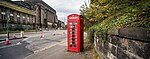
x=18 y=43
x=10 y=45
x=48 y=47
x=45 y=48
x=28 y=41
x=25 y=39
x=2 y=42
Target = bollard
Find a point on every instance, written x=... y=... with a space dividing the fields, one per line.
x=7 y=40
x=14 y=36
x=22 y=34
x=42 y=36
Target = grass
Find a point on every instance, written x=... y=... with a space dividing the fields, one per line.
x=95 y=55
x=31 y=30
x=92 y=54
x=4 y=32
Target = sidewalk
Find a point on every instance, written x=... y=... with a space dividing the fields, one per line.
x=59 y=52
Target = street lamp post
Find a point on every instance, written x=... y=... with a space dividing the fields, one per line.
x=8 y=18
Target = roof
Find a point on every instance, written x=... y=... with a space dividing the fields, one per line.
x=17 y=8
x=48 y=6
x=28 y=4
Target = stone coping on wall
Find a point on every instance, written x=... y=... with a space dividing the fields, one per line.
x=136 y=33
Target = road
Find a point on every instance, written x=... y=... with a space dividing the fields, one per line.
x=59 y=51
x=24 y=47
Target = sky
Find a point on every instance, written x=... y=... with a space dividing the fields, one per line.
x=65 y=7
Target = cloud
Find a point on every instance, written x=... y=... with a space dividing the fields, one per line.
x=65 y=10
x=65 y=7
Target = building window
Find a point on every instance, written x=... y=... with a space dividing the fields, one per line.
x=0 y=13
x=11 y=15
x=1 y=26
x=4 y=25
x=3 y=14
x=18 y=17
x=33 y=19
x=28 y=18
x=23 y=17
x=24 y=26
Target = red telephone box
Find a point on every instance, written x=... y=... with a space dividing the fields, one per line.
x=75 y=33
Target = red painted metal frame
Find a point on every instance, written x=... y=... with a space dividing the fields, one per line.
x=78 y=32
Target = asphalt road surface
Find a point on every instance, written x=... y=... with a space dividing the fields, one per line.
x=34 y=43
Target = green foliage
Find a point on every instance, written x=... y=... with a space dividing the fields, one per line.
x=90 y=36
x=103 y=15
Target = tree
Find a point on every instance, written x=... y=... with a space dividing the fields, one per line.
x=103 y=15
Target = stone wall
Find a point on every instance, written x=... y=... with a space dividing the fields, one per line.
x=125 y=43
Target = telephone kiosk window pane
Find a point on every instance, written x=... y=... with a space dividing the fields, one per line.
x=73 y=32
x=73 y=39
x=73 y=23
x=72 y=44
x=72 y=26
x=72 y=36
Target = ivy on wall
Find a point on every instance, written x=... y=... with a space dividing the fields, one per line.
x=104 y=15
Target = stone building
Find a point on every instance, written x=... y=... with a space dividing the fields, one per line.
x=45 y=15
x=60 y=25
x=41 y=14
x=19 y=17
